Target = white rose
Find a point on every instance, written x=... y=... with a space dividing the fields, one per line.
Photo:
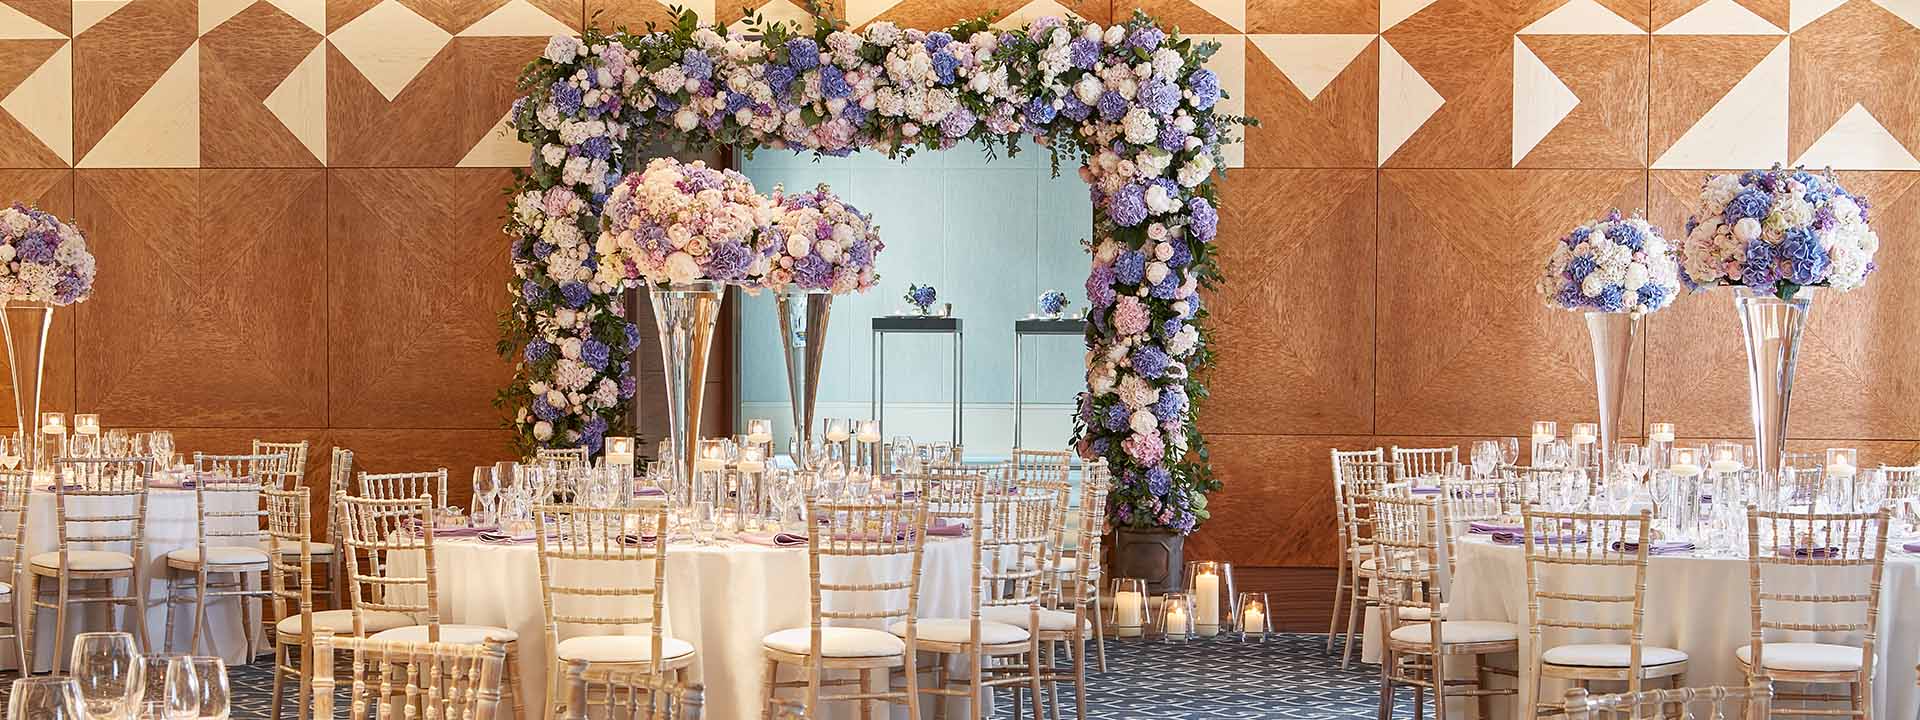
x=1636 y=277
x=1088 y=89
x=1163 y=251
x=1115 y=34
x=1592 y=286
x=1747 y=230
x=682 y=268
x=543 y=431
x=1156 y=271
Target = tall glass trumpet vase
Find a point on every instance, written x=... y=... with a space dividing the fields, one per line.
x=685 y=315
x=26 y=326
x=1771 y=328
x=804 y=342
x=1612 y=336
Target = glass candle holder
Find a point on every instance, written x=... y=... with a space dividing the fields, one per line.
x=1842 y=462
x=1251 y=613
x=709 y=473
x=1544 y=432
x=1727 y=457
x=760 y=431
x=868 y=439
x=1687 y=462
x=1176 y=618
x=620 y=452
x=1210 y=584
x=1129 y=607
x=1660 y=438
x=86 y=424
x=51 y=442
x=750 y=500
x=1585 y=441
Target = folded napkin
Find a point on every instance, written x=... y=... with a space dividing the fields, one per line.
x=1425 y=490
x=941 y=527
x=69 y=487
x=462 y=532
x=169 y=480
x=1484 y=528
x=1807 y=552
x=782 y=539
x=1518 y=538
x=649 y=492
x=631 y=540
x=497 y=537
x=1659 y=547
x=1912 y=547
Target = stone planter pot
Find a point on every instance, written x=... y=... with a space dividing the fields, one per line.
x=1156 y=556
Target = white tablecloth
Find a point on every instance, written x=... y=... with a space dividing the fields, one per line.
x=721 y=598
x=1699 y=605
x=171 y=522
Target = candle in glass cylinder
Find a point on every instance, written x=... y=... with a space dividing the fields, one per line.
x=712 y=456
x=837 y=431
x=759 y=432
x=1686 y=462
x=53 y=422
x=86 y=424
x=1660 y=432
x=1126 y=613
x=750 y=460
x=869 y=432
x=1724 y=462
x=1584 y=434
x=1842 y=463
x=1206 y=598
x=620 y=451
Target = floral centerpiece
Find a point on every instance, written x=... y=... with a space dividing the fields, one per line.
x=816 y=241
x=921 y=297
x=677 y=223
x=1615 y=265
x=1777 y=231
x=43 y=260
x=1053 y=302
x=1774 y=236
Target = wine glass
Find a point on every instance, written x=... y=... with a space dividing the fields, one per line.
x=210 y=681
x=9 y=451
x=1509 y=451
x=161 y=445
x=170 y=681
x=46 y=698
x=1485 y=456
x=485 y=492
x=1631 y=459
x=108 y=672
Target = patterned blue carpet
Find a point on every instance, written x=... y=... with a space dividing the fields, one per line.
x=1287 y=677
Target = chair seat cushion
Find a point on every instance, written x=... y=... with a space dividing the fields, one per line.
x=449 y=634
x=840 y=642
x=1458 y=632
x=341 y=622
x=957 y=630
x=219 y=556
x=1610 y=655
x=620 y=648
x=1050 y=620
x=6 y=589
x=316 y=548
x=1418 y=612
x=1805 y=657
x=86 y=560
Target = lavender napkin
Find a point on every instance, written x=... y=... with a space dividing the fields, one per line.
x=463 y=532
x=1516 y=538
x=1425 y=490
x=496 y=537
x=650 y=492
x=1659 y=547
x=69 y=487
x=631 y=540
x=941 y=527
x=174 y=481
x=1807 y=552
x=1485 y=528
x=783 y=539
x=1912 y=547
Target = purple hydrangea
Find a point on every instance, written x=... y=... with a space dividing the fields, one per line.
x=813 y=272
x=1075 y=110
x=576 y=294
x=1130 y=267
x=592 y=431
x=1611 y=298
x=780 y=76
x=1112 y=106
x=627 y=386
x=1171 y=138
x=1653 y=295
x=531 y=293
x=36 y=247
x=958 y=122
x=936 y=41
x=70 y=289
x=632 y=333
x=922 y=295
x=566 y=97
x=542 y=249
x=1168 y=288
x=1084 y=53
x=544 y=410
x=1579 y=267
x=833 y=82
x=597 y=147
x=728 y=261
x=537 y=351
x=860 y=253
x=1128 y=206
x=1100 y=286
x=1146 y=37
x=696 y=64
x=944 y=65
x=1203 y=220
x=1158 y=96
x=595 y=354
x=1758 y=270
x=1748 y=204
x=803 y=53
x=1579 y=235
x=1626 y=234
x=1205 y=87
x=1040 y=111
x=1182 y=255
x=1085 y=409
x=1150 y=361
x=1159 y=481
x=1116 y=419
x=1168 y=407
x=1802 y=251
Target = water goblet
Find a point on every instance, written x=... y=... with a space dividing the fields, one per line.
x=170 y=681
x=1509 y=451
x=210 y=682
x=705 y=522
x=46 y=698
x=108 y=672
x=1485 y=456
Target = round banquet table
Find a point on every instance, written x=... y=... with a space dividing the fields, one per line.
x=172 y=520
x=1698 y=604
x=723 y=598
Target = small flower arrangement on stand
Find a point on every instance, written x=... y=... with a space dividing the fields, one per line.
x=1053 y=302
x=921 y=297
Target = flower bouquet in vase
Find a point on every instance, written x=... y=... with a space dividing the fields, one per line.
x=1774 y=236
x=44 y=264
x=1053 y=303
x=1614 y=270
x=686 y=231
x=921 y=297
x=817 y=246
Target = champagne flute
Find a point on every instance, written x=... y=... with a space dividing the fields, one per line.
x=210 y=680
x=170 y=681
x=1509 y=451
x=46 y=698
x=108 y=672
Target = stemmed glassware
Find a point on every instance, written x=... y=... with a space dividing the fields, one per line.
x=160 y=444
x=10 y=451
x=1509 y=451
x=108 y=671
x=1630 y=459
x=1485 y=457
x=486 y=495
x=172 y=685
x=46 y=698
x=210 y=684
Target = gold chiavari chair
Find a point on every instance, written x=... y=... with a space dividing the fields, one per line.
x=100 y=514
x=230 y=537
x=1009 y=533
x=605 y=570
x=295 y=452
x=1467 y=501
x=1847 y=552
x=1416 y=654
x=1343 y=582
x=630 y=694
x=412 y=679
x=405 y=485
x=1903 y=493
x=1046 y=470
x=289 y=577
x=1561 y=544
x=327 y=553
x=1360 y=480
x=1753 y=702
x=16 y=486
x=1076 y=611
x=1412 y=463
x=572 y=457
x=394 y=538
x=884 y=531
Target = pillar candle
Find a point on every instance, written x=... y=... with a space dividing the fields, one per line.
x=1126 y=613
x=1206 y=615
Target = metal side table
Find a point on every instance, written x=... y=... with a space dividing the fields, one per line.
x=1036 y=326
x=916 y=325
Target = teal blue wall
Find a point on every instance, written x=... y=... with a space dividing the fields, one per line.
x=991 y=235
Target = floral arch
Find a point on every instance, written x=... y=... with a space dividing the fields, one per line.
x=1132 y=104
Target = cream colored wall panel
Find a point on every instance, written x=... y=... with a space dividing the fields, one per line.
x=1746 y=128
x=43 y=103
x=1393 y=11
x=88 y=12
x=517 y=18
x=1719 y=17
x=162 y=129
x=300 y=101
x=1540 y=100
x=390 y=44
x=16 y=25
x=1908 y=10
x=1801 y=12
x=1859 y=142
x=1311 y=62
x=1407 y=100
x=1582 y=17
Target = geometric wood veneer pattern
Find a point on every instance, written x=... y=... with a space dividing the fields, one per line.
x=295 y=205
